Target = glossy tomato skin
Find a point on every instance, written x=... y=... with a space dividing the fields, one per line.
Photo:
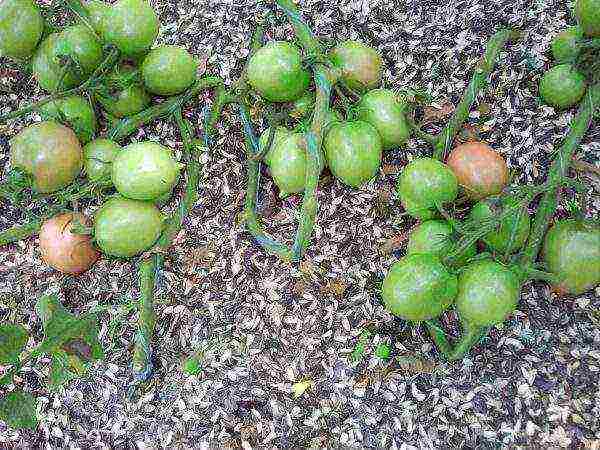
x=436 y=237
x=287 y=164
x=353 y=152
x=382 y=109
x=78 y=114
x=98 y=157
x=77 y=42
x=423 y=183
x=418 y=288
x=361 y=65
x=50 y=153
x=565 y=47
x=127 y=96
x=276 y=72
x=488 y=292
x=168 y=70
x=572 y=251
x=515 y=226
x=64 y=250
x=126 y=228
x=281 y=133
x=588 y=16
x=145 y=171
x=21 y=28
x=98 y=12
x=562 y=86
x=480 y=171
x=132 y=26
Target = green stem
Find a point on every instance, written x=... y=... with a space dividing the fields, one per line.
x=304 y=34
x=478 y=82
x=91 y=84
x=470 y=337
x=20 y=232
x=439 y=337
x=128 y=125
x=142 y=352
x=558 y=171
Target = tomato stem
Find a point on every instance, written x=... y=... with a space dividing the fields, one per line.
x=20 y=232
x=558 y=172
x=478 y=82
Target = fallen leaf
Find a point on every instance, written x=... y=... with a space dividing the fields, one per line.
x=337 y=288
x=416 y=365
x=301 y=387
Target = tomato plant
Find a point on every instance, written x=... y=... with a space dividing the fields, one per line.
x=98 y=157
x=21 y=27
x=124 y=95
x=168 y=70
x=277 y=73
x=436 y=237
x=63 y=248
x=125 y=227
x=145 y=171
x=382 y=109
x=76 y=112
x=50 y=153
x=353 y=152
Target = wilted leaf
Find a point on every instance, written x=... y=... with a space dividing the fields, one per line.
x=13 y=339
x=17 y=409
x=301 y=387
x=437 y=113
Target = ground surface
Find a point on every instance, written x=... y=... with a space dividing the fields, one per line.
x=533 y=384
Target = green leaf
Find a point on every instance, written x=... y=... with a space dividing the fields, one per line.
x=13 y=339
x=60 y=372
x=18 y=410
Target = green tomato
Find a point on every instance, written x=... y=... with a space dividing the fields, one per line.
x=98 y=157
x=192 y=366
x=287 y=164
x=145 y=171
x=98 y=12
x=565 y=47
x=424 y=183
x=361 y=65
x=132 y=26
x=588 y=16
x=76 y=112
x=276 y=72
x=382 y=109
x=353 y=152
x=436 y=237
x=418 y=288
x=572 y=251
x=125 y=227
x=50 y=153
x=75 y=42
x=126 y=95
x=514 y=229
x=21 y=28
x=169 y=70
x=488 y=293
x=562 y=86
x=281 y=133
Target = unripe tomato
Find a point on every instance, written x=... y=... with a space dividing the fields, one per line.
x=424 y=183
x=281 y=133
x=588 y=16
x=50 y=153
x=382 y=109
x=488 y=293
x=353 y=152
x=126 y=95
x=276 y=72
x=565 y=48
x=64 y=250
x=98 y=12
x=145 y=171
x=168 y=70
x=76 y=42
x=436 y=237
x=98 y=157
x=562 y=86
x=21 y=28
x=514 y=229
x=287 y=164
x=303 y=106
x=480 y=171
x=76 y=112
x=572 y=251
x=132 y=26
x=125 y=227
x=418 y=288
x=361 y=65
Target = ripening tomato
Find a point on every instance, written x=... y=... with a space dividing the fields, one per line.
x=76 y=112
x=361 y=65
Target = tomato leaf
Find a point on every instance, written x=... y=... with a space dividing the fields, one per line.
x=18 y=410
x=13 y=339
x=60 y=372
